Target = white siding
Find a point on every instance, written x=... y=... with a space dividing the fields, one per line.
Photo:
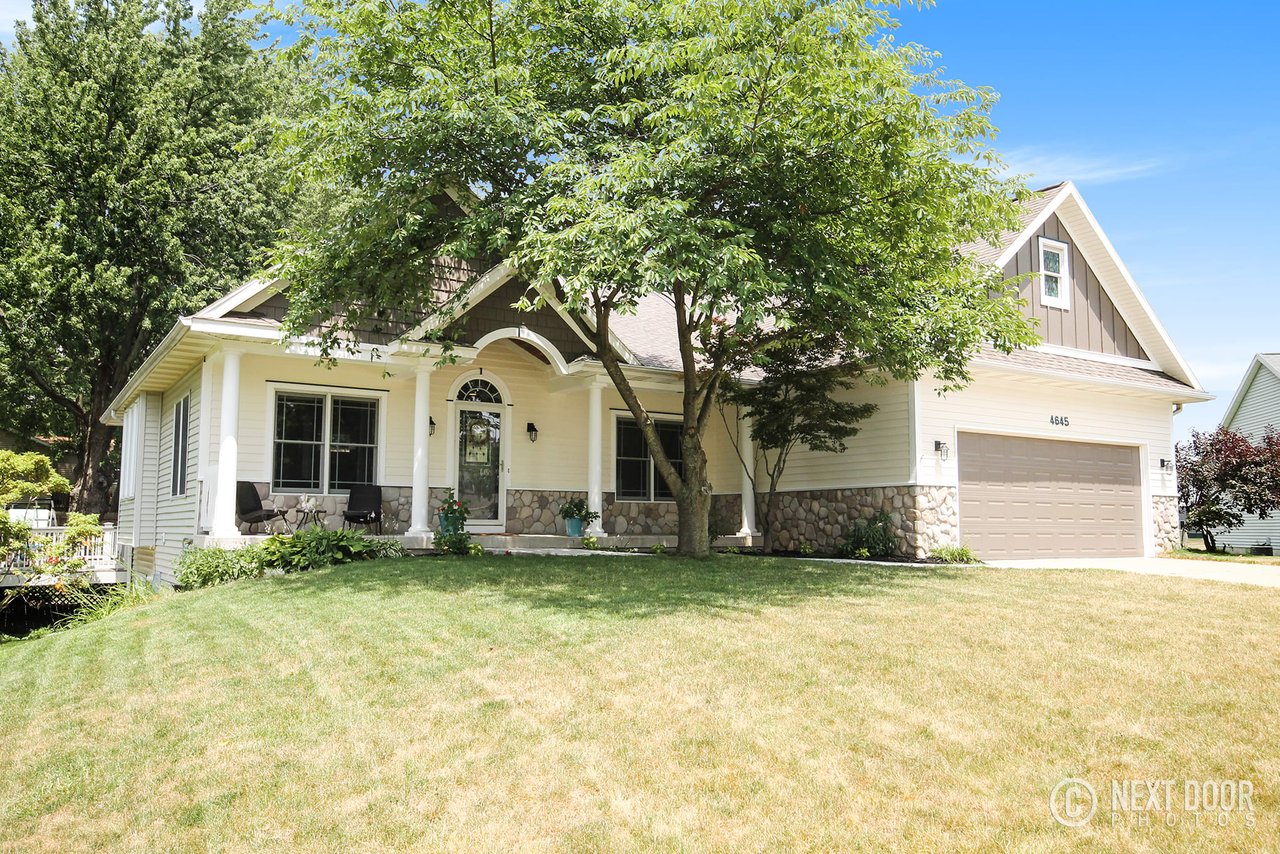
x=1259 y=409
x=148 y=471
x=176 y=515
x=130 y=463
x=557 y=461
x=879 y=455
x=1021 y=405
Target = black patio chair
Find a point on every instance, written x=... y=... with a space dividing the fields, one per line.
x=364 y=507
x=250 y=511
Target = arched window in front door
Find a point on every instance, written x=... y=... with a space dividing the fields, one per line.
x=479 y=391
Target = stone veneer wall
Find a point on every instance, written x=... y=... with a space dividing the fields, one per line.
x=537 y=511
x=1164 y=512
x=923 y=517
x=396 y=504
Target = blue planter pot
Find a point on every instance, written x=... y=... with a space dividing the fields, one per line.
x=573 y=527
x=445 y=527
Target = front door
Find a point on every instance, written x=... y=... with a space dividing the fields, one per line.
x=480 y=464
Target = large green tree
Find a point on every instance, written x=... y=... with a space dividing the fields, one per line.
x=769 y=167
x=132 y=190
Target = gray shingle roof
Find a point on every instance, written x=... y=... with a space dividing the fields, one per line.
x=1032 y=206
x=1086 y=369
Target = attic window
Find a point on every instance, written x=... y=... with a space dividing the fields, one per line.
x=1055 y=274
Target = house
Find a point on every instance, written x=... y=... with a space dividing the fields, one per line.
x=1064 y=449
x=1255 y=407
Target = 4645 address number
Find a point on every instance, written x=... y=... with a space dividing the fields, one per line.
x=1059 y=421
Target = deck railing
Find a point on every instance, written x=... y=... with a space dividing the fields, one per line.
x=98 y=553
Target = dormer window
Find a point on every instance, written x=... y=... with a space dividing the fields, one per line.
x=1055 y=274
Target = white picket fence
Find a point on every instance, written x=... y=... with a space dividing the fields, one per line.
x=99 y=553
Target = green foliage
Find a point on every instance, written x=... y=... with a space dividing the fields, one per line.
x=316 y=547
x=95 y=603
x=872 y=538
x=773 y=169
x=210 y=567
x=576 y=508
x=1222 y=476
x=456 y=543
x=658 y=548
x=475 y=550
x=806 y=548
x=591 y=542
x=452 y=514
x=15 y=538
x=133 y=188
x=953 y=554
x=27 y=476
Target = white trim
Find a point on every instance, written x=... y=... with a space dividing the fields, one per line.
x=131 y=449
x=488 y=282
x=1250 y=374
x=618 y=415
x=504 y=410
x=1063 y=251
x=1093 y=356
x=176 y=473
x=274 y=387
x=206 y=422
x=1165 y=351
x=523 y=333
x=250 y=290
x=1167 y=394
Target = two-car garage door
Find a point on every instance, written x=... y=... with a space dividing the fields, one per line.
x=1028 y=498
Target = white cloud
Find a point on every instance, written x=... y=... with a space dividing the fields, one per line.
x=1048 y=167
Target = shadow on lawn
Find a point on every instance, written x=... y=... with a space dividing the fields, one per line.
x=622 y=586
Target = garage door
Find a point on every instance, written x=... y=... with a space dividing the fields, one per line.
x=1026 y=498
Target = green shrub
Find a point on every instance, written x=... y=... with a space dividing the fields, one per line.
x=868 y=538
x=576 y=508
x=659 y=548
x=207 y=567
x=953 y=554
x=95 y=603
x=475 y=549
x=316 y=547
x=591 y=543
x=457 y=543
x=805 y=548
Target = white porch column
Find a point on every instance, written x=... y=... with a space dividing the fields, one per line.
x=748 y=452
x=224 y=499
x=420 y=509
x=595 y=444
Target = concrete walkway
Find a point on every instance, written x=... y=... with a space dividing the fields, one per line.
x=1211 y=570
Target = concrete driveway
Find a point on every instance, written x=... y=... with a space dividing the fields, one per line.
x=1211 y=570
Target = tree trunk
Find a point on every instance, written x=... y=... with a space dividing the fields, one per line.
x=694 y=500
x=1210 y=544
x=770 y=510
x=92 y=492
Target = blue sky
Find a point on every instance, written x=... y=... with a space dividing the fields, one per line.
x=1166 y=116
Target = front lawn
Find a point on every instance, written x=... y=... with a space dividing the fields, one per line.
x=637 y=703
x=1232 y=557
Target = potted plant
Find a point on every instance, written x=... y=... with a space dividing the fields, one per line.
x=452 y=514
x=577 y=516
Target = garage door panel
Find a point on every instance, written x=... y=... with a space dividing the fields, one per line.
x=1045 y=498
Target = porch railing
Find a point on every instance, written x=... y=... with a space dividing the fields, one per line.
x=98 y=553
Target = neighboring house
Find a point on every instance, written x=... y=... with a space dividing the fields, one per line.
x=1062 y=450
x=1255 y=407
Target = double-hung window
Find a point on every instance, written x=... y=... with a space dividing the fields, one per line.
x=1055 y=274
x=323 y=442
x=181 y=423
x=637 y=477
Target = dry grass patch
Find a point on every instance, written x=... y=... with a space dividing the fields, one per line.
x=621 y=703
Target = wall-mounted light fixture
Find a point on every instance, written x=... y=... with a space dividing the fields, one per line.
x=431 y=426
x=940 y=448
x=1166 y=464
x=532 y=430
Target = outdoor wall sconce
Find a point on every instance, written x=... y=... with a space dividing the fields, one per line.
x=941 y=449
x=1166 y=464
x=532 y=430
x=431 y=426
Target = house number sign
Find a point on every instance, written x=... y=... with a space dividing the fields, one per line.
x=1059 y=421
